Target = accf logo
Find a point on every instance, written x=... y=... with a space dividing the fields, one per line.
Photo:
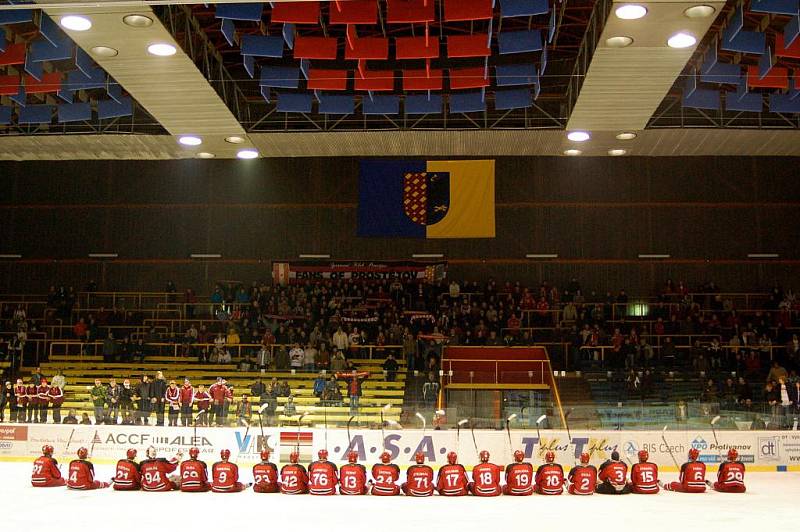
x=699 y=444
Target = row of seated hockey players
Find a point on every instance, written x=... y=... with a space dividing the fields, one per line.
x=323 y=477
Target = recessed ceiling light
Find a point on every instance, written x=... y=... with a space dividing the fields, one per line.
x=626 y=135
x=572 y=152
x=162 y=49
x=234 y=139
x=617 y=151
x=701 y=11
x=578 y=136
x=619 y=42
x=105 y=51
x=137 y=21
x=75 y=23
x=205 y=155
x=681 y=40
x=190 y=140
x=247 y=154
x=631 y=11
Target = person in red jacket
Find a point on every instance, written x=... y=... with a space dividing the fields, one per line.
x=172 y=398
x=156 y=472
x=730 y=477
x=225 y=475
x=20 y=393
x=519 y=476
x=352 y=476
x=127 y=477
x=81 y=473
x=644 y=475
x=613 y=475
x=32 y=394
x=43 y=399
x=550 y=476
x=452 y=478
x=45 y=470
x=353 y=379
x=385 y=476
x=56 y=398
x=485 y=478
x=194 y=473
x=693 y=476
x=419 y=478
x=203 y=401
x=265 y=475
x=322 y=475
x=186 y=400
x=582 y=477
x=294 y=479
x=220 y=395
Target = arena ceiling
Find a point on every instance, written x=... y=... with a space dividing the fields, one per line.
x=397 y=77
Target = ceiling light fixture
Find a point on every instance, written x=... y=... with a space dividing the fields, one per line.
x=681 y=40
x=630 y=11
x=620 y=41
x=572 y=152
x=234 y=139
x=205 y=155
x=161 y=49
x=701 y=11
x=190 y=140
x=75 y=23
x=626 y=135
x=137 y=21
x=578 y=136
x=104 y=51
x=247 y=153
x=617 y=152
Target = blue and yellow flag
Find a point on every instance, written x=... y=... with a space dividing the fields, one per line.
x=433 y=199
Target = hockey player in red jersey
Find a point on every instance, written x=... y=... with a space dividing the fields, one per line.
x=419 y=478
x=45 y=470
x=81 y=473
x=194 y=473
x=225 y=475
x=385 y=476
x=265 y=475
x=156 y=472
x=582 y=477
x=730 y=477
x=644 y=475
x=519 y=476
x=612 y=476
x=452 y=478
x=352 y=476
x=550 y=476
x=693 y=476
x=485 y=478
x=322 y=475
x=294 y=479
x=127 y=476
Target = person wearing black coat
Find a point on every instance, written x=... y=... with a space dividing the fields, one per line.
x=7 y=398
x=158 y=389
x=143 y=392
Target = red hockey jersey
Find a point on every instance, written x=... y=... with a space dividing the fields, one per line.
x=730 y=477
x=550 y=479
x=294 y=479
x=352 y=479
x=519 y=479
x=420 y=481
x=583 y=479
x=385 y=478
x=127 y=477
x=693 y=476
x=322 y=478
x=452 y=480
x=194 y=476
x=155 y=474
x=614 y=473
x=81 y=475
x=485 y=480
x=225 y=477
x=265 y=475
x=644 y=478
x=46 y=473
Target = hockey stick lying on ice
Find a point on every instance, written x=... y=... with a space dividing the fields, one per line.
x=664 y=439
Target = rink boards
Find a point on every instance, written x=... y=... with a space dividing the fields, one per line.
x=760 y=450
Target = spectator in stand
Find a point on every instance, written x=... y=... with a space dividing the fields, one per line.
x=290 y=409
x=143 y=393
x=777 y=372
x=43 y=395
x=264 y=358
x=113 y=396
x=354 y=339
x=390 y=368
x=99 y=395
x=186 y=401
x=203 y=401
x=85 y=419
x=109 y=348
x=784 y=392
x=341 y=340
x=309 y=357
x=430 y=390
x=709 y=392
x=71 y=419
x=743 y=392
x=794 y=397
x=220 y=395
x=319 y=385
x=296 y=357
x=126 y=402
x=6 y=398
x=172 y=398
x=224 y=356
x=244 y=411
x=729 y=394
x=258 y=388
x=282 y=359
x=354 y=380
x=409 y=348
x=773 y=399
x=338 y=362
x=158 y=390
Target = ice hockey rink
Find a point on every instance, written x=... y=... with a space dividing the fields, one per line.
x=771 y=500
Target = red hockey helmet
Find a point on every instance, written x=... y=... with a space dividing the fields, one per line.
x=519 y=456
x=352 y=457
x=194 y=452
x=452 y=457
x=694 y=454
x=386 y=457
x=644 y=456
x=225 y=454
x=585 y=458
x=83 y=453
x=419 y=457
x=484 y=456
x=47 y=450
x=294 y=456
x=130 y=454
x=733 y=455
x=550 y=457
x=265 y=455
x=323 y=454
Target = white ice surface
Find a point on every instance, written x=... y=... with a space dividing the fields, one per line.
x=771 y=501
